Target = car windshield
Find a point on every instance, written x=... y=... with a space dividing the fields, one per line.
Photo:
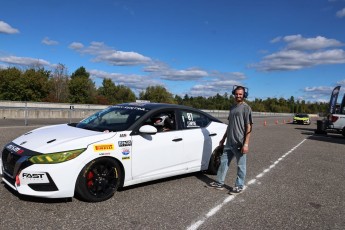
x=113 y=119
x=302 y=115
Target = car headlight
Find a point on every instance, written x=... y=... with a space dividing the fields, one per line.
x=54 y=158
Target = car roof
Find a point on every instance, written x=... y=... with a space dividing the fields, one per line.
x=157 y=106
x=152 y=105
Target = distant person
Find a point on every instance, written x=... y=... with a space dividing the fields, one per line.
x=237 y=138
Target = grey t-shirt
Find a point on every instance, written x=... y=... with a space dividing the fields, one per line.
x=240 y=116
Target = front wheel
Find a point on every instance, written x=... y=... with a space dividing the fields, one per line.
x=215 y=160
x=99 y=180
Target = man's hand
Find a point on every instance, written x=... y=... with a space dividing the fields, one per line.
x=245 y=149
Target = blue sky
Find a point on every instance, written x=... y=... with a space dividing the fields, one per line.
x=276 y=48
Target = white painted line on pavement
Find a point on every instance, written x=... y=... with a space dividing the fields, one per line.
x=214 y=210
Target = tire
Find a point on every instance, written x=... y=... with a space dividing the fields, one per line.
x=99 y=180
x=343 y=132
x=215 y=160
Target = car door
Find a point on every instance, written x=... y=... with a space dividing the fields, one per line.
x=159 y=155
x=197 y=138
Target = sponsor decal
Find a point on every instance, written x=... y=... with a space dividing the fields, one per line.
x=125 y=143
x=32 y=178
x=123 y=135
x=125 y=151
x=15 y=149
x=129 y=107
x=126 y=158
x=33 y=175
x=191 y=124
x=103 y=147
x=104 y=154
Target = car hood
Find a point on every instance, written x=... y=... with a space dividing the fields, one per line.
x=59 y=138
x=301 y=118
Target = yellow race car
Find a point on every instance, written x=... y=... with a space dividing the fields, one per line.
x=301 y=118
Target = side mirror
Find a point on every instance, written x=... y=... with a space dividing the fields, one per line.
x=148 y=129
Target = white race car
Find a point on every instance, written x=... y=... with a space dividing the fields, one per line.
x=123 y=145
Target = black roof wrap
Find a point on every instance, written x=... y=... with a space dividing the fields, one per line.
x=158 y=106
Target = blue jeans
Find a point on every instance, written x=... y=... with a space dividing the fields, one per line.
x=225 y=160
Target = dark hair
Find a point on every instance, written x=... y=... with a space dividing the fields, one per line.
x=237 y=87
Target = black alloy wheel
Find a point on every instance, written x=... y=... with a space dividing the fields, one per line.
x=99 y=180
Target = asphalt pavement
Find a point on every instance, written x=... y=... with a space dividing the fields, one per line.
x=295 y=180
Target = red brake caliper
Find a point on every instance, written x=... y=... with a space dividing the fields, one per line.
x=89 y=179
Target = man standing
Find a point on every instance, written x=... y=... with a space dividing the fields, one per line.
x=237 y=138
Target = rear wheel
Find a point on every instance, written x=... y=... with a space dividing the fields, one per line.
x=215 y=160
x=99 y=180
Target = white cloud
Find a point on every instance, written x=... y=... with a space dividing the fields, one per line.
x=24 y=61
x=135 y=82
x=7 y=29
x=342 y=82
x=211 y=88
x=49 y=42
x=76 y=46
x=297 y=42
x=108 y=55
x=341 y=13
x=302 y=53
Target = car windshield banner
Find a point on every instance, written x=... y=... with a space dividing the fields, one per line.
x=333 y=101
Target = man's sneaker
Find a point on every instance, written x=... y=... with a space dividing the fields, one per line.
x=216 y=185
x=236 y=189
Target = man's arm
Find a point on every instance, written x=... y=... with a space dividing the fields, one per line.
x=245 y=147
x=221 y=143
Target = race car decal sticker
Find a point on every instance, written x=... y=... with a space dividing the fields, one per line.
x=33 y=178
x=191 y=124
x=104 y=154
x=125 y=151
x=123 y=135
x=103 y=147
x=125 y=143
x=15 y=149
x=126 y=158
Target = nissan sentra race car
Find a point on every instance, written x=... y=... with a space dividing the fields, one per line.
x=122 y=145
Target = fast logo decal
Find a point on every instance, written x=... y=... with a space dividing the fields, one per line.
x=15 y=149
x=125 y=143
x=33 y=178
x=103 y=147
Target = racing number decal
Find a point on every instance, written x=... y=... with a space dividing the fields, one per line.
x=191 y=122
x=190 y=116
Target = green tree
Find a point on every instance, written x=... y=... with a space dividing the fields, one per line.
x=124 y=94
x=11 y=87
x=156 y=94
x=113 y=94
x=35 y=82
x=108 y=91
x=81 y=88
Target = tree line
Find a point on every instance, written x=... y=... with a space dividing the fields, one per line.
x=40 y=85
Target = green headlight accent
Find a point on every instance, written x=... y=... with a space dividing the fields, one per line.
x=54 y=158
